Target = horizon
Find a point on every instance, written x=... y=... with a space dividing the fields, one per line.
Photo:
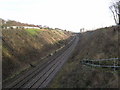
x=71 y=15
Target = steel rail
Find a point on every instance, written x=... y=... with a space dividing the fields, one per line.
x=32 y=73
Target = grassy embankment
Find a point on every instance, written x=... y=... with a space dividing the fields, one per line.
x=98 y=44
x=21 y=48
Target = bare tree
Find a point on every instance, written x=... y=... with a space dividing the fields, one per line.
x=115 y=9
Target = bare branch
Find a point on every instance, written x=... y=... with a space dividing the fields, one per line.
x=113 y=15
x=115 y=9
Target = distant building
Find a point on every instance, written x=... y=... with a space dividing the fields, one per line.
x=58 y=29
x=19 y=27
x=28 y=27
x=45 y=27
x=40 y=26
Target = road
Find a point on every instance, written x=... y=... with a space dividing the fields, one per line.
x=41 y=75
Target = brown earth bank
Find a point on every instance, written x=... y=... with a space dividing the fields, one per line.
x=99 y=44
x=23 y=48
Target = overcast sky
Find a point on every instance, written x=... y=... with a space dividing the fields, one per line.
x=65 y=14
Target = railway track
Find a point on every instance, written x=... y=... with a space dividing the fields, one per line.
x=41 y=75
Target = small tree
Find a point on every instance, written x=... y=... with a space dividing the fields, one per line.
x=115 y=9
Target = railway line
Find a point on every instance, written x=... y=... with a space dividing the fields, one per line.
x=41 y=75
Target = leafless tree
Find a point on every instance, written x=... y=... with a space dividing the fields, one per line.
x=115 y=9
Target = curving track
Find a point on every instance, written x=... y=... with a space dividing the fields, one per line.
x=41 y=75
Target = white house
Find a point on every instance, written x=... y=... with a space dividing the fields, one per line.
x=28 y=27
x=19 y=27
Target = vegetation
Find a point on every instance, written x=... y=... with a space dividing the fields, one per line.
x=32 y=31
x=115 y=9
x=23 y=47
x=98 y=44
x=16 y=23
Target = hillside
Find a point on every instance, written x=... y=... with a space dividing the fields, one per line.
x=15 y=23
x=99 y=44
x=22 y=48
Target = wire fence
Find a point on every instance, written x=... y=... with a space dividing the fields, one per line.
x=91 y=63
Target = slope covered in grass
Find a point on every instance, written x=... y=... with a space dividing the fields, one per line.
x=27 y=46
x=99 y=44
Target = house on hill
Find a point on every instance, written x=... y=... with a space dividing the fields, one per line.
x=20 y=27
x=11 y=24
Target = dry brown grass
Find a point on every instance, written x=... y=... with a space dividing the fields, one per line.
x=102 y=43
x=24 y=47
